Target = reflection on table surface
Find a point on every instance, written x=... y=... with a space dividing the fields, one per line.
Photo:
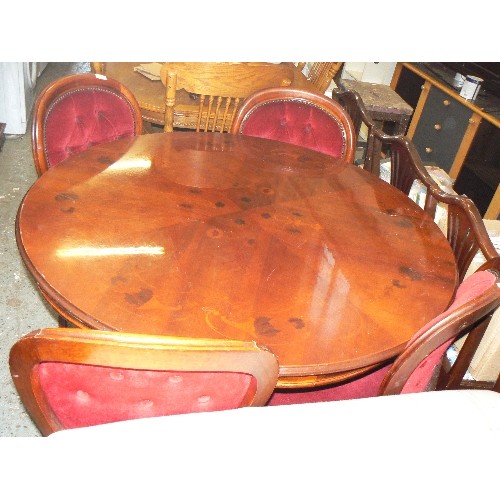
x=217 y=235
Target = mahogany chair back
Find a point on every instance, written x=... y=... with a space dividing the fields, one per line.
x=70 y=378
x=298 y=116
x=78 y=111
x=321 y=74
x=351 y=101
x=464 y=226
x=418 y=366
x=219 y=88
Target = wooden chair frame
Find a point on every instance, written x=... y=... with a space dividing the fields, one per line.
x=465 y=228
x=68 y=85
x=132 y=351
x=351 y=101
x=471 y=318
x=466 y=231
x=308 y=97
x=219 y=89
x=321 y=74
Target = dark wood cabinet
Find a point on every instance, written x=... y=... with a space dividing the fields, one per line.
x=441 y=129
x=461 y=137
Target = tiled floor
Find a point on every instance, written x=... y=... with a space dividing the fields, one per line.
x=22 y=309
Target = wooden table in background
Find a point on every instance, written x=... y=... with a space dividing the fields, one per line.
x=219 y=235
x=151 y=94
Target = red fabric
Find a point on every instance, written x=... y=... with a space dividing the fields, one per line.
x=85 y=395
x=368 y=385
x=83 y=118
x=470 y=288
x=363 y=387
x=296 y=123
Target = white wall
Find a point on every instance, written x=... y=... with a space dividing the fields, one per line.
x=373 y=72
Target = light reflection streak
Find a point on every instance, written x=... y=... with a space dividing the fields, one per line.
x=109 y=251
x=330 y=294
x=130 y=163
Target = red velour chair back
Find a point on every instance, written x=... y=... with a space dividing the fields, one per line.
x=78 y=111
x=297 y=116
x=69 y=378
x=414 y=370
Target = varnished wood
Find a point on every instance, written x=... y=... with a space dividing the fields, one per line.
x=219 y=88
x=300 y=98
x=137 y=352
x=465 y=228
x=151 y=94
x=321 y=74
x=478 y=114
x=67 y=87
x=452 y=93
x=229 y=236
x=471 y=318
x=351 y=101
x=494 y=208
x=463 y=150
x=419 y=109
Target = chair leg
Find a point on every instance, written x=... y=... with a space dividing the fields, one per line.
x=496 y=387
x=63 y=322
x=452 y=378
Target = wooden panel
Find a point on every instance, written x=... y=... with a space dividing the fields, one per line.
x=440 y=129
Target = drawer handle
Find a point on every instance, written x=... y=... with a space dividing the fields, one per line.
x=446 y=102
x=437 y=126
x=428 y=150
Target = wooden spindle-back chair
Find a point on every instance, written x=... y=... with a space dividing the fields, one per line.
x=219 y=88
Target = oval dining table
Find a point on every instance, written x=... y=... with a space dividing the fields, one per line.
x=226 y=236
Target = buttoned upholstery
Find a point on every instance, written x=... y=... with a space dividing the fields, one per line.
x=69 y=378
x=415 y=369
x=78 y=111
x=83 y=395
x=296 y=116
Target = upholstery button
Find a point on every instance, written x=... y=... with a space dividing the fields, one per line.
x=146 y=403
x=283 y=122
x=116 y=375
x=308 y=129
x=82 y=396
x=203 y=400
x=175 y=379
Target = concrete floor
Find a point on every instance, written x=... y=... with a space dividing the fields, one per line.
x=22 y=309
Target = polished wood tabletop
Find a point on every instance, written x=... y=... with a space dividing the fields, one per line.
x=228 y=236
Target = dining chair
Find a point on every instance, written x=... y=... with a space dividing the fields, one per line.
x=417 y=367
x=363 y=123
x=462 y=223
x=298 y=116
x=321 y=74
x=78 y=111
x=218 y=88
x=457 y=215
x=68 y=378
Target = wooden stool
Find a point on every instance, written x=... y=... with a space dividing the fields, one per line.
x=383 y=104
